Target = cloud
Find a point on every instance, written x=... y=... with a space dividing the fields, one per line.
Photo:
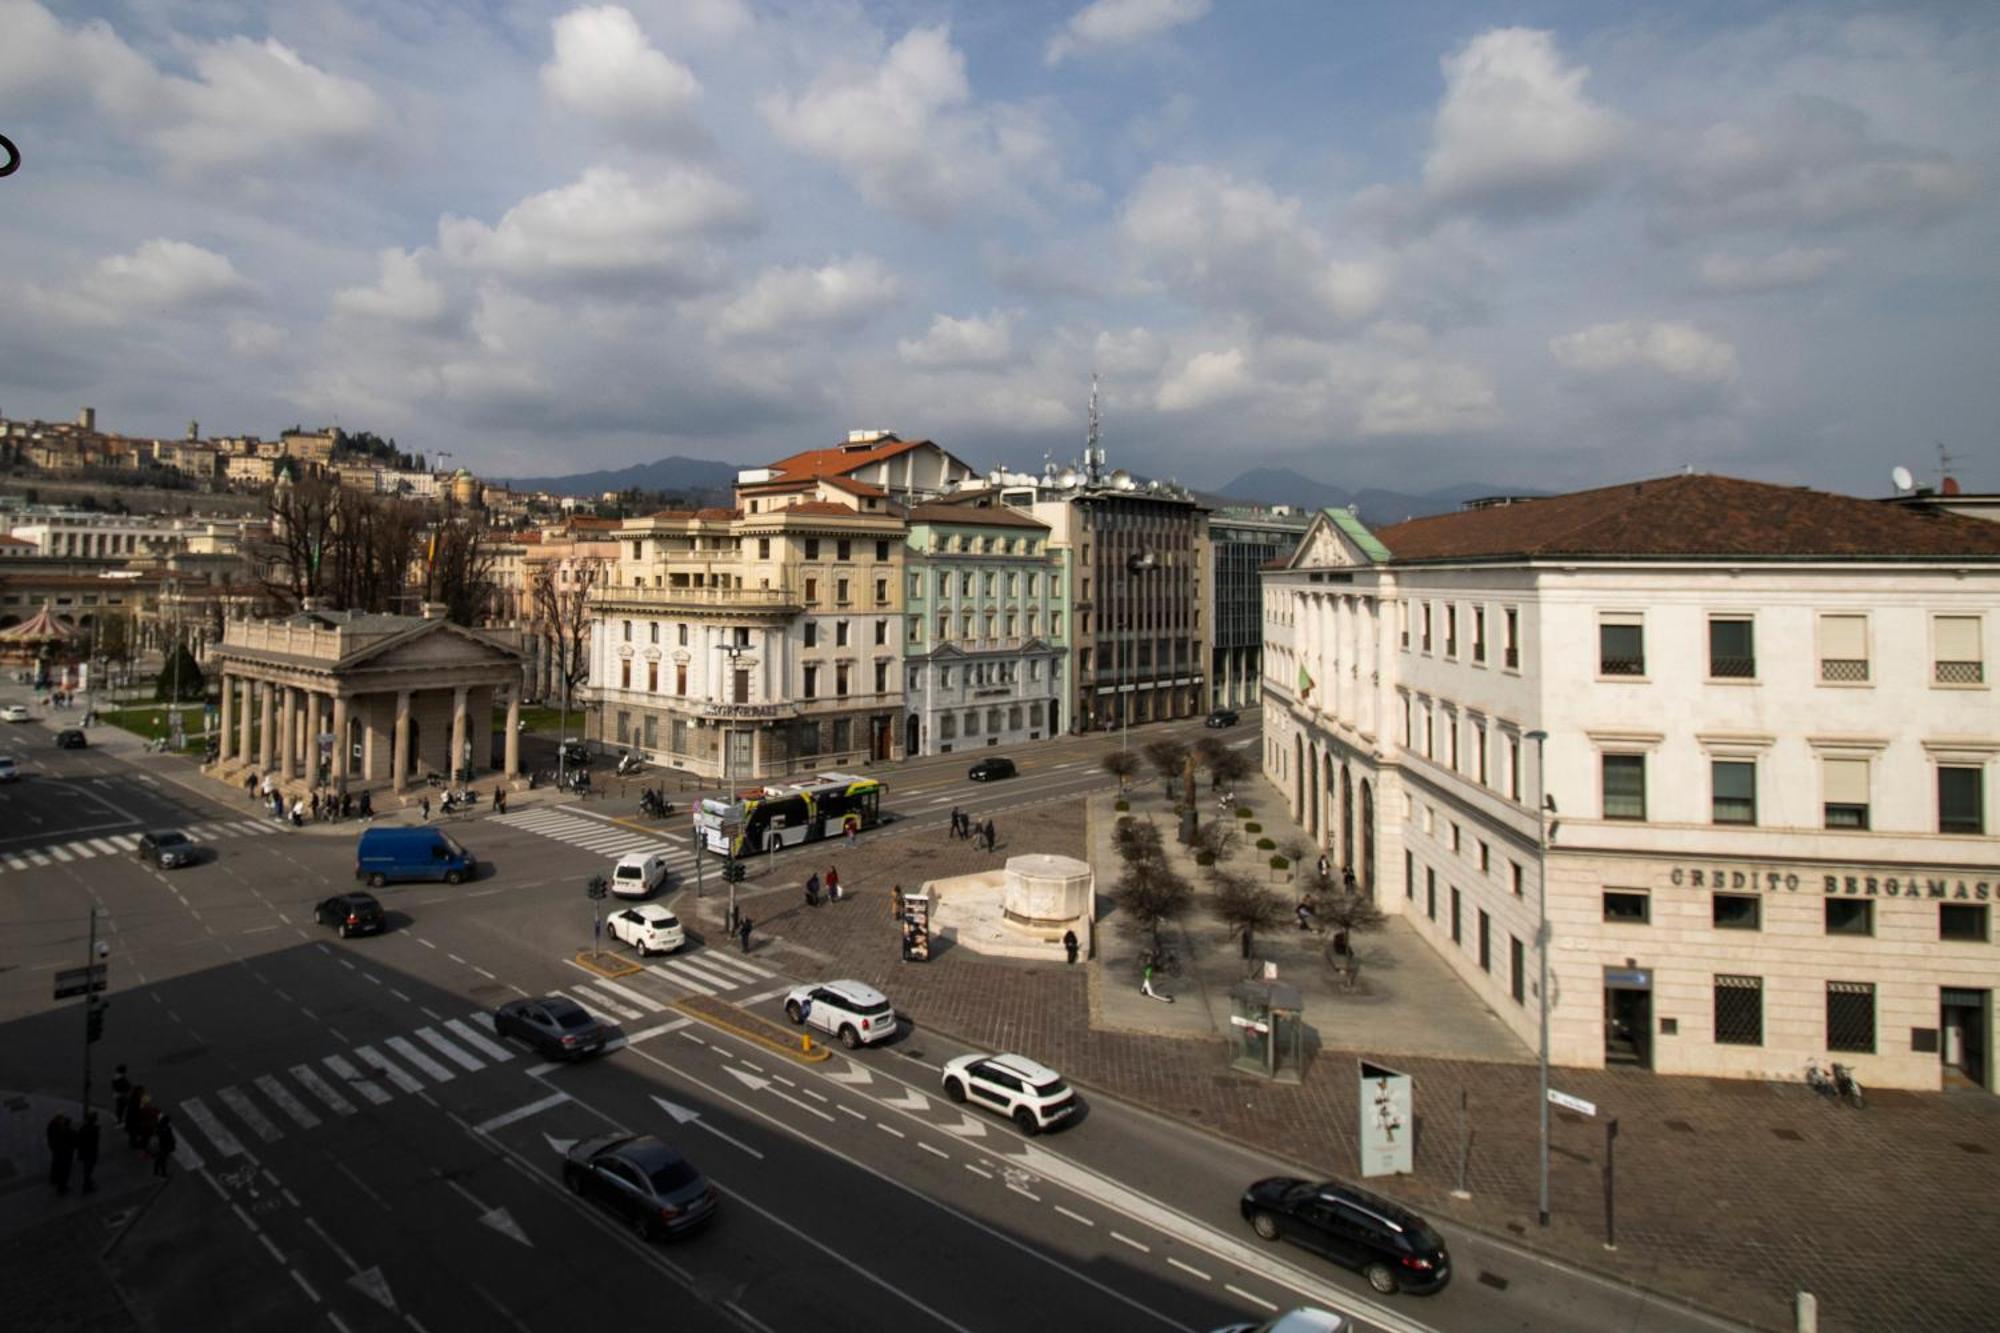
x=972 y=341
x=1238 y=246
x=1789 y=267
x=402 y=294
x=1515 y=134
x=160 y=277
x=609 y=226
x=786 y=300
x=1420 y=397
x=1106 y=24
x=604 y=67
x=1205 y=380
x=1679 y=351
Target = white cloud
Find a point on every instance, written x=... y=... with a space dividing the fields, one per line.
x=160 y=277
x=1790 y=267
x=1416 y=397
x=1105 y=24
x=973 y=341
x=609 y=225
x=784 y=300
x=1205 y=380
x=1515 y=133
x=1680 y=351
x=1135 y=353
x=605 y=67
x=402 y=294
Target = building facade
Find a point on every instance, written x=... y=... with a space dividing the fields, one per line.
x=1241 y=542
x=1736 y=741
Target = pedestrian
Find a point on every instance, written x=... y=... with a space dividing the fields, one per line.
x=1070 y=945
x=86 y=1151
x=298 y=813
x=1347 y=881
x=1325 y=867
x=139 y=1125
x=164 y=1143
x=314 y=807
x=992 y=837
x=250 y=784
x=62 y=1151
x=833 y=884
x=743 y=933
x=424 y=804
x=367 y=806
x=1146 y=986
x=121 y=1095
x=499 y=801
x=852 y=828
x=1305 y=915
x=812 y=890
x=896 y=903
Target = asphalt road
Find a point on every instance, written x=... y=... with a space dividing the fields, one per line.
x=371 y=1156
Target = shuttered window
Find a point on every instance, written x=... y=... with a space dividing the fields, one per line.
x=1843 y=648
x=1960 y=660
x=1845 y=784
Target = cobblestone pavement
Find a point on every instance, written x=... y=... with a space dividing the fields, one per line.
x=1730 y=1194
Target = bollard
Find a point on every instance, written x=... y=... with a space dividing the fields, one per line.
x=805 y=1043
x=1808 y=1313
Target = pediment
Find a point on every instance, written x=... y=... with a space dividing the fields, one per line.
x=436 y=646
x=1336 y=540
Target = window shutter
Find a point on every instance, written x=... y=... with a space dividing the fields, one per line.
x=1958 y=639
x=1843 y=637
x=1846 y=781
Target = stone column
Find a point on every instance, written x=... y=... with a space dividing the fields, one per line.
x=340 y=743
x=368 y=715
x=456 y=759
x=224 y=741
x=399 y=755
x=513 y=766
x=267 y=744
x=244 y=749
x=288 y=733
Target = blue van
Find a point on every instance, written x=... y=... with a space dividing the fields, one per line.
x=411 y=853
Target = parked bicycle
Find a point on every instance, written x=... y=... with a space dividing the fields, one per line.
x=1839 y=1083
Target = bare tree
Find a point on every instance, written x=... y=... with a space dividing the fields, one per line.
x=303 y=526
x=1150 y=895
x=1120 y=764
x=1217 y=840
x=1226 y=764
x=564 y=613
x=1137 y=840
x=458 y=567
x=1246 y=907
x=1169 y=760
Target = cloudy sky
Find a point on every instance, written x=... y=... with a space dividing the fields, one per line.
x=1403 y=244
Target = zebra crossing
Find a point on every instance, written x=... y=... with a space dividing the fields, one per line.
x=713 y=972
x=114 y=844
x=595 y=835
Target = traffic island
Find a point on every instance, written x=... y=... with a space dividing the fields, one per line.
x=608 y=965
x=774 y=1037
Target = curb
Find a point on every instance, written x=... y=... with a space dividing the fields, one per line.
x=806 y=1052
x=619 y=968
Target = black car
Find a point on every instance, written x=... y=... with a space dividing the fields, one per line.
x=555 y=1025
x=351 y=914
x=987 y=770
x=652 y=1188
x=167 y=848
x=1389 y=1245
x=576 y=754
x=71 y=738
x=1223 y=717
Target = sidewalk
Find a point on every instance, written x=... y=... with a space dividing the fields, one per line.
x=53 y=1275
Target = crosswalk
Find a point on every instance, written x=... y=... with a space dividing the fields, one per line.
x=596 y=835
x=82 y=849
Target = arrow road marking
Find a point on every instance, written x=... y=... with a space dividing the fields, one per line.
x=684 y=1116
x=853 y=1074
x=911 y=1100
x=967 y=1128
x=521 y=1112
x=498 y=1218
x=764 y=1085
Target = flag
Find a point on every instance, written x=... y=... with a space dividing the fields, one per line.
x=1305 y=682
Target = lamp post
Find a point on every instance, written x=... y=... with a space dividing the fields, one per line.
x=1136 y=563
x=1542 y=948
x=731 y=650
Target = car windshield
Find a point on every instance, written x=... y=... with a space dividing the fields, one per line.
x=456 y=850
x=674 y=1175
x=1051 y=1088
x=572 y=1018
x=170 y=839
x=874 y=1010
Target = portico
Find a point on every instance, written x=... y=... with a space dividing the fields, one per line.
x=337 y=700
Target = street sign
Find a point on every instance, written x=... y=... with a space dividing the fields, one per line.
x=1567 y=1102
x=1387 y=1133
x=81 y=980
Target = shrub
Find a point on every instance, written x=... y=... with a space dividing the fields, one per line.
x=1244 y=812
x=1204 y=858
x=1121 y=804
x=1266 y=845
x=1253 y=828
x=1280 y=863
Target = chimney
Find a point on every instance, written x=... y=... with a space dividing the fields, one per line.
x=86 y=418
x=435 y=610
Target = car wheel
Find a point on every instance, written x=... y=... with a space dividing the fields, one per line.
x=793 y=1012
x=849 y=1037
x=1264 y=1225
x=377 y=880
x=1024 y=1119
x=453 y=877
x=345 y=933
x=573 y=1179
x=1380 y=1277
x=954 y=1090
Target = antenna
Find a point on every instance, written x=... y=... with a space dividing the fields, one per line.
x=1093 y=457
x=1945 y=460
x=1900 y=478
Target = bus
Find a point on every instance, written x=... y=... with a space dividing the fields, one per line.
x=787 y=816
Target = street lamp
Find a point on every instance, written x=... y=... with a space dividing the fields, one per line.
x=1136 y=563
x=1542 y=802
x=732 y=650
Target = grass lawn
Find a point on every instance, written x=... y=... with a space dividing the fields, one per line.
x=540 y=717
x=150 y=721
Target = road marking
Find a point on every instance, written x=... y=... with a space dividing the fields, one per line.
x=602 y=1001
x=246 y=1111
x=404 y=1047
x=321 y=1089
x=485 y=1019
x=1189 y=1268
x=224 y=1142
x=289 y=1104
x=1024 y=1193
x=890 y=1129
x=470 y=1036
x=1258 y=1301
x=1074 y=1217
x=104 y=845
x=1127 y=1240
x=680 y=979
x=601 y=1015
x=61 y=854
x=935 y=1152
x=704 y=973
x=352 y=1077
x=816 y=1096
x=646 y=1002
x=738 y=966
x=521 y=1112
x=125 y=842
x=762 y=996
x=850 y=1111
x=979 y=1170
x=38 y=858
x=470 y=1064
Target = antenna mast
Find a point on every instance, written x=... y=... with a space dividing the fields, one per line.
x=1093 y=457
x=1945 y=460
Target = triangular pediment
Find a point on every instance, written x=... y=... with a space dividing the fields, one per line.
x=1336 y=540
x=433 y=645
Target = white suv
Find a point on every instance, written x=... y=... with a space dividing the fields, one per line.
x=649 y=928
x=858 y=1014
x=1033 y=1096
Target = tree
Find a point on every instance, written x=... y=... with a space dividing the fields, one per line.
x=1137 y=840
x=180 y=677
x=1149 y=895
x=1169 y=760
x=1218 y=840
x=1246 y=907
x=458 y=567
x=563 y=612
x=1226 y=764
x=1346 y=914
x=1120 y=764
x=302 y=525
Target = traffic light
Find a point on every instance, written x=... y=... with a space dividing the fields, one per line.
x=93 y=1020
x=597 y=888
x=732 y=871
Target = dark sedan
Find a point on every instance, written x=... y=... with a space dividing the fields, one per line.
x=989 y=770
x=71 y=738
x=1222 y=717
x=646 y=1184
x=168 y=848
x=1389 y=1245
x=352 y=914
x=555 y=1025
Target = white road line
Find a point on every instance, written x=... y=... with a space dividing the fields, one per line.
x=1258 y=1301
x=1127 y=1240
x=246 y=1111
x=470 y=1036
x=1074 y=1217
x=728 y=964
x=394 y=1073
x=125 y=842
x=406 y=1048
x=469 y=1063
x=1189 y=1268
x=601 y=1015
x=680 y=979
x=662 y=1030
x=185 y=1156
x=594 y=999
x=705 y=971
x=644 y=1001
x=1024 y=1193
x=104 y=845
x=344 y=1070
x=935 y=1152
x=890 y=1129
x=38 y=858
x=320 y=1088
x=979 y=1170
x=521 y=1112
x=15 y=861
x=204 y=1119
x=762 y=996
x=485 y=1019
x=287 y=1103
x=61 y=854
x=850 y=1111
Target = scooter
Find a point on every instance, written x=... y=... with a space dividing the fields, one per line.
x=454 y=801
x=629 y=763
x=655 y=806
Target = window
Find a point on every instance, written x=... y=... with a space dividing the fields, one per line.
x=1739 y=1011
x=1479 y=751
x=881 y=678
x=840 y=684
x=1845 y=792
x=1850 y=916
x=843 y=549
x=1517 y=876
x=763 y=548
x=1410 y=876
x=625 y=674
x=1737 y=911
x=840 y=591
x=1456 y=905
x=812 y=548
x=812 y=592
x=1850 y=1016
x=1427 y=627
x=1621 y=646
x=680 y=678
x=1485 y=941
x=1514 y=767
x=1732 y=648
x=1959 y=659
x=1485 y=857
x=1734 y=800
x=1457 y=839
x=1631 y=907
x=1431 y=893
x=652 y=677
x=1963 y=921
x=1624 y=786
x=1512 y=651
x=1451 y=631
x=1518 y=967
x=881 y=592
x=881 y=550
x=653 y=631
x=812 y=634
x=881 y=632
x=1479 y=634
x=1843 y=649
x=812 y=681
x=1961 y=799
x=628 y=631
x=840 y=633
x=683 y=629
x=1403 y=619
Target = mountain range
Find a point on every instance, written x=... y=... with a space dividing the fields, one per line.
x=699 y=478
x=1377 y=507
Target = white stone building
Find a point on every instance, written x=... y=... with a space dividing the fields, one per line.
x=1767 y=741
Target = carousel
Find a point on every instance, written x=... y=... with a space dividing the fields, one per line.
x=37 y=642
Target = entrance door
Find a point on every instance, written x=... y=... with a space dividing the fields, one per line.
x=740 y=754
x=1964 y=1020
x=1628 y=1025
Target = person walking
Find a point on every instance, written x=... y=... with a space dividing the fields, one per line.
x=314 y=807
x=1070 y=946
x=62 y=1150
x=424 y=804
x=298 y=813
x=135 y=1112
x=896 y=903
x=743 y=933
x=956 y=815
x=1146 y=985
x=499 y=801
x=1325 y=867
x=833 y=884
x=812 y=890
x=367 y=806
x=121 y=1096
x=851 y=827
x=992 y=837
x=164 y=1143
x=86 y=1151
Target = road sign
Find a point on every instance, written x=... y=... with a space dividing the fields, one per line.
x=80 y=980
x=1570 y=1103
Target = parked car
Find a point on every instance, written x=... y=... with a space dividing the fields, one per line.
x=352 y=914
x=1033 y=1096
x=649 y=928
x=555 y=1025
x=1222 y=717
x=854 y=1011
x=575 y=754
x=991 y=768
x=14 y=713
x=385 y=853
x=639 y=874
x=72 y=738
x=168 y=848
x=642 y=1181
x=9 y=770
x=1305 y=1319
x=1386 y=1243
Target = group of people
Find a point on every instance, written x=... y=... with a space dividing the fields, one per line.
x=73 y=1145
x=815 y=889
x=982 y=833
x=315 y=806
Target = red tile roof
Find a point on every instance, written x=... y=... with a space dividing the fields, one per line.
x=1693 y=516
x=973 y=515
x=835 y=461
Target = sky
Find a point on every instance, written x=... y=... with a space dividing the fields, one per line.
x=1412 y=244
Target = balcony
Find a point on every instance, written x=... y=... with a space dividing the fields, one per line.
x=710 y=599
x=1621 y=666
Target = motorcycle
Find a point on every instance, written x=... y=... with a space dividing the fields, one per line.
x=454 y=801
x=629 y=763
x=653 y=805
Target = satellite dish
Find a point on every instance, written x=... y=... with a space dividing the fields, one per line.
x=1900 y=478
x=1067 y=479
x=1121 y=479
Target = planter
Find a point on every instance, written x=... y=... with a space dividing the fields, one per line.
x=1253 y=828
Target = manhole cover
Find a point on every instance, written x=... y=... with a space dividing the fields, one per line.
x=1680 y=1126
x=1790 y=1135
x=1494 y=1280
x=1977 y=1149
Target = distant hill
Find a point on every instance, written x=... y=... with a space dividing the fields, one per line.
x=1378 y=507
x=696 y=476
